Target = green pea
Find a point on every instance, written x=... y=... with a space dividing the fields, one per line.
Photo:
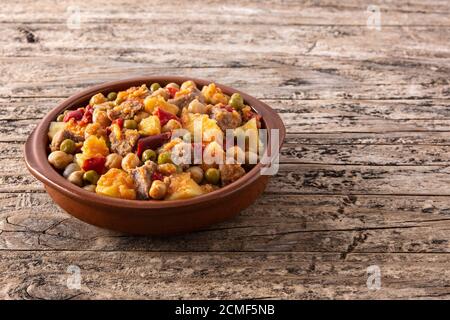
x=60 y=118
x=112 y=96
x=67 y=146
x=236 y=101
x=212 y=175
x=148 y=154
x=155 y=86
x=91 y=176
x=130 y=124
x=164 y=158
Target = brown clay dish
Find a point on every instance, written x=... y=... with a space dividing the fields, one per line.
x=147 y=217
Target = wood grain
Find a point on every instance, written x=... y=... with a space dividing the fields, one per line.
x=364 y=170
x=128 y=275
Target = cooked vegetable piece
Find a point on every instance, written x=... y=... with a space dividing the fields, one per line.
x=212 y=175
x=130 y=124
x=67 y=146
x=165 y=116
x=97 y=99
x=158 y=190
x=96 y=163
x=150 y=126
x=75 y=114
x=130 y=161
x=182 y=187
x=91 y=176
x=196 y=174
x=236 y=101
x=155 y=86
x=54 y=128
x=59 y=159
x=112 y=96
x=148 y=154
x=152 y=142
x=113 y=160
x=164 y=157
x=76 y=178
x=116 y=183
x=71 y=167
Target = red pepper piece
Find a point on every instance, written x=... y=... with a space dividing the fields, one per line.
x=87 y=116
x=165 y=116
x=96 y=163
x=172 y=91
x=152 y=142
x=157 y=176
x=74 y=114
x=119 y=122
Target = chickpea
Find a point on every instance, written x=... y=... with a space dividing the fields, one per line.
x=130 y=161
x=161 y=92
x=196 y=107
x=188 y=84
x=76 y=178
x=100 y=117
x=89 y=187
x=59 y=159
x=113 y=160
x=173 y=85
x=172 y=124
x=196 y=174
x=167 y=168
x=158 y=190
x=72 y=167
x=97 y=99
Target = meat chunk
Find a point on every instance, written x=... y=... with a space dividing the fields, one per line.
x=184 y=100
x=126 y=110
x=226 y=119
x=230 y=173
x=62 y=135
x=142 y=178
x=125 y=142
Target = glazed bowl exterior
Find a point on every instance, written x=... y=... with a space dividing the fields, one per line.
x=146 y=217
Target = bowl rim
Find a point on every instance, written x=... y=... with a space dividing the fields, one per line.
x=37 y=142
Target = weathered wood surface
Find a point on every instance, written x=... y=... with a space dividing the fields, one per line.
x=364 y=178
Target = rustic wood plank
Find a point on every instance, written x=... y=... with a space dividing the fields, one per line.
x=165 y=13
x=106 y=275
x=315 y=78
x=260 y=46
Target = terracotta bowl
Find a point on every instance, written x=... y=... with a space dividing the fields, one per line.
x=146 y=217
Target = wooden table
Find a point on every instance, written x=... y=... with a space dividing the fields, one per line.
x=364 y=185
